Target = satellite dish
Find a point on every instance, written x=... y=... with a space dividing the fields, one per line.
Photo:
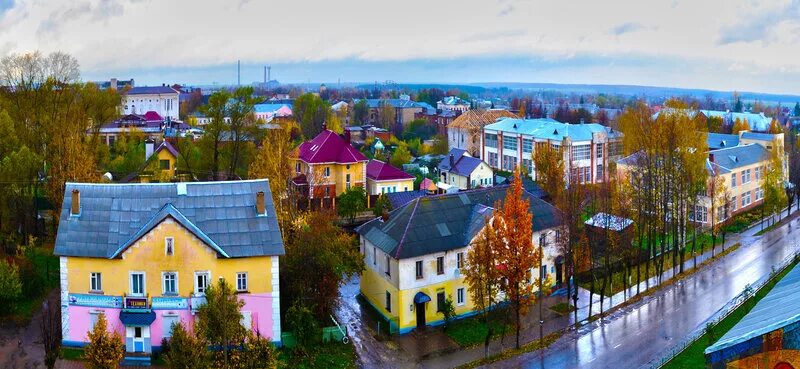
x=108 y=176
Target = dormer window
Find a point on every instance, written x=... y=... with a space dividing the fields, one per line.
x=169 y=246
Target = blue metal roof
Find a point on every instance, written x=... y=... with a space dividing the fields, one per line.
x=721 y=140
x=151 y=90
x=143 y=319
x=268 y=108
x=221 y=214
x=546 y=128
x=779 y=308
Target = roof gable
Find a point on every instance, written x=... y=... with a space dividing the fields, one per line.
x=169 y=211
x=380 y=171
x=328 y=147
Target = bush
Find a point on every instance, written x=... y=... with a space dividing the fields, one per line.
x=10 y=284
x=185 y=350
x=448 y=311
x=304 y=326
x=104 y=350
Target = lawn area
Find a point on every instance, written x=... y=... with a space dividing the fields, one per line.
x=471 y=331
x=331 y=355
x=693 y=356
x=562 y=308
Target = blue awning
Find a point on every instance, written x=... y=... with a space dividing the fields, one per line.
x=421 y=298
x=128 y=318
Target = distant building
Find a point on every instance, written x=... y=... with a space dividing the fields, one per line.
x=453 y=103
x=465 y=131
x=267 y=112
x=151 y=124
x=404 y=110
x=115 y=84
x=160 y=99
x=758 y=122
x=587 y=148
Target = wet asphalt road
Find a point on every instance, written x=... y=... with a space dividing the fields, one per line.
x=646 y=331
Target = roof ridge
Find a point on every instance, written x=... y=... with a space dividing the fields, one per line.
x=405 y=231
x=320 y=145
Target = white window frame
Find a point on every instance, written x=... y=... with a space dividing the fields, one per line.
x=144 y=283
x=169 y=246
x=164 y=283
x=460 y=260
x=239 y=278
x=461 y=296
x=581 y=152
x=96 y=276
x=207 y=273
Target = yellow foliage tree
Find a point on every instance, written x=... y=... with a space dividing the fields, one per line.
x=104 y=350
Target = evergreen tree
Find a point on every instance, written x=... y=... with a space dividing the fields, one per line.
x=104 y=350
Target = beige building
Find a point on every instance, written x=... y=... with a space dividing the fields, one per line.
x=384 y=178
x=465 y=131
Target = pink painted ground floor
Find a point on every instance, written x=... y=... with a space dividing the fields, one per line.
x=143 y=330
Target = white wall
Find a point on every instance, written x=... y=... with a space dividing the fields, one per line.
x=165 y=105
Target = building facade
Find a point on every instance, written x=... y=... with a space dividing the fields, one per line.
x=144 y=254
x=463 y=171
x=160 y=99
x=453 y=103
x=414 y=259
x=587 y=148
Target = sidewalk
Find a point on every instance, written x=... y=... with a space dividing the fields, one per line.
x=553 y=322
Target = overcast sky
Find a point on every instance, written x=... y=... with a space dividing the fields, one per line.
x=725 y=45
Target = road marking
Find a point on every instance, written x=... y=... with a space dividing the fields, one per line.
x=618 y=345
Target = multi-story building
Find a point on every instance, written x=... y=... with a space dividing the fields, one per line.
x=414 y=258
x=465 y=131
x=404 y=111
x=160 y=99
x=328 y=165
x=144 y=255
x=587 y=148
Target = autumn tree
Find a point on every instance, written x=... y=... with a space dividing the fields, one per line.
x=549 y=168
x=186 y=350
x=310 y=111
x=274 y=162
x=775 y=127
x=211 y=141
x=772 y=183
x=481 y=273
x=719 y=211
x=715 y=124
x=219 y=319
x=360 y=112
x=104 y=350
x=320 y=257
x=386 y=115
x=517 y=256
x=50 y=329
x=400 y=156
x=241 y=125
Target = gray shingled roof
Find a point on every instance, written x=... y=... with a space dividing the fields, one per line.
x=222 y=214
x=740 y=156
x=444 y=222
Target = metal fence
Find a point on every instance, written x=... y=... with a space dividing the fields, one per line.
x=748 y=292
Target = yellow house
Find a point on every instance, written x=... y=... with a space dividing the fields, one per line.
x=160 y=165
x=144 y=255
x=327 y=166
x=415 y=257
x=384 y=178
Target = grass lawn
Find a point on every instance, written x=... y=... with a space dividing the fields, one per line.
x=562 y=308
x=472 y=331
x=71 y=353
x=693 y=356
x=331 y=355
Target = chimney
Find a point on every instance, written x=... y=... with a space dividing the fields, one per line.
x=149 y=147
x=452 y=161
x=76 y=202
x=261 y=208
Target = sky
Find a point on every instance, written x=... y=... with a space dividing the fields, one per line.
x=744 y=45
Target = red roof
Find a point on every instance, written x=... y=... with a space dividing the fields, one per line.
x=380 y=171
x=151 y=115
x=328 y=147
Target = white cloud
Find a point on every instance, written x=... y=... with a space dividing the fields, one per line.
x=114 y=35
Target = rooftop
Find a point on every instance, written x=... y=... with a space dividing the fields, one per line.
x=476 y=119
x=546 y=128
x=380 y=171
x=221 y=214
x=739 y=156
x=438 y=223
x=779 y=308
x=328 y=147
x=151 y=90
x=464 y=164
